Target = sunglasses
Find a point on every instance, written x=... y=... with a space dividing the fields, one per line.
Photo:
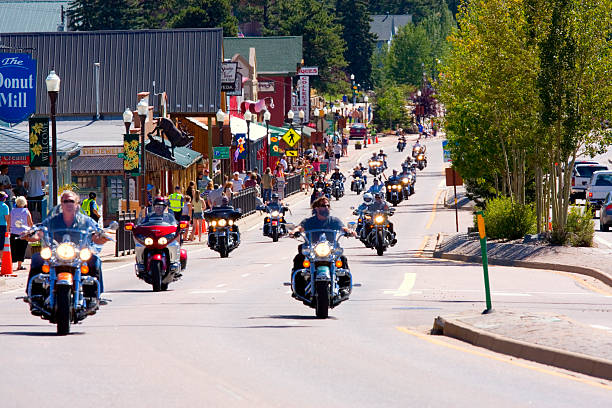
x=324 y=206
x=68 y=201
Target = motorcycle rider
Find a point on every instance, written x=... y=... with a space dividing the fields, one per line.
x=364 y=171
x=382 y=156
x=226 y=211
x=69 y=218
x=379 y=204
x=394 y=178
x=376 y=186
x=159 y=212
x=274 y=205
x=363 y=207
x=337 y=175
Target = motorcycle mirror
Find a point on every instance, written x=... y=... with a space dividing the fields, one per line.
x=114 y=226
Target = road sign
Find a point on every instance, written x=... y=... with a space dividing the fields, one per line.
x=291 y=153
x=221 y=152
x=446 y=153
x=452 y=177
x=291 y=137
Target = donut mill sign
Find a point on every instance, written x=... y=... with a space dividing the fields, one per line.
x=17 y=87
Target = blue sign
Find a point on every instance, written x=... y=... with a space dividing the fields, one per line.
x=446 y=153
x=17 y=87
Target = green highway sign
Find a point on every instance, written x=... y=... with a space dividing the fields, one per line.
x=221 y=152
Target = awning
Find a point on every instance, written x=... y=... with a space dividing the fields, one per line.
x=15 y=147
x=101 y=164
x=183 y=156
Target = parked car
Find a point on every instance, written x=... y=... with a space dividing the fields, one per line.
x=358 y=131
x=605 y=214
x=600 y=186
x=581 y=177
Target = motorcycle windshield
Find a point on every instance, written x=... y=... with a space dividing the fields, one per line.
x=165 y=219
x=79 y=238
x=312 y=237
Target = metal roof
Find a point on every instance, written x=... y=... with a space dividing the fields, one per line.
x=183 y=156
x=385 y=26
x=19 y=16
x=185 y=63
x=17 y=142
x=275 y=55
x=97 y=163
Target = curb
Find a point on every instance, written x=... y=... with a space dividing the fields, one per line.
x=581 y=363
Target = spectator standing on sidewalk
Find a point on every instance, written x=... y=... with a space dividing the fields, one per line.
x=198 y=211
x=176 y=202
x=186 y=216
x=251 y=182
x=236 y=182
x=337 y=152
x=345 y=143
x=35 y=182
x=266 y=185
x=20 y=215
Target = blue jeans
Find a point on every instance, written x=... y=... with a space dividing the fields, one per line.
x=266 y=194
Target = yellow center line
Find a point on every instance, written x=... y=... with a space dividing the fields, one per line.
x=508 y=360
x=419 y=252
x=580 y=281
x=433 y=210
x=405 y=287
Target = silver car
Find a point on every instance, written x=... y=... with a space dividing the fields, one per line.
x=605 y=213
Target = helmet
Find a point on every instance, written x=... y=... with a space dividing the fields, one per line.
x=274 y=196
x=378 y=194
x=367 y=197
x=159 y=201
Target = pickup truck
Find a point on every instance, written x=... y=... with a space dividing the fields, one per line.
x=601 y=185
x=581 y=177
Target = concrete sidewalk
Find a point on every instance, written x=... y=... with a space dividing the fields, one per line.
x=545 y=338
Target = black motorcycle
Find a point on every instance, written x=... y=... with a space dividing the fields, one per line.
x=320 y=191
x=275 y=225
x=407 y=181
x=337 y=189
x=376 y=167
x=377 y=231
x=223 y=233
x=394 y=193
x=401 y=145
x=358 y=184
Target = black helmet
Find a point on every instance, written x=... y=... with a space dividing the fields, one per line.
x=159 y=201
x=92 y=195
x=274 y=196
x=378 y=194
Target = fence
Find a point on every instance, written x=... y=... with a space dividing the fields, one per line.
x=292 y=184
x=245 y=200
x=125 y=242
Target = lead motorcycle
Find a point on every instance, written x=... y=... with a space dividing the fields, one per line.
x=324 y=281
x=377 y=234
x=160 y=260
x=64 y=293
x=223 y=233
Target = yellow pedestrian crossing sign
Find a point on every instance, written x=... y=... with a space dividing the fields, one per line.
x=291 y=137
x=291 y=153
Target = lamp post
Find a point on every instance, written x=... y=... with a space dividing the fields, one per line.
x=267 y=116
x=334 y=111
x=143 y=109
x=53 y=87
x=220 y=116
x=367 y=117
x=301 y=116
x=248 y=117
x=353 y=87
x=127 y=121
x=418 y=108
x=316 y=115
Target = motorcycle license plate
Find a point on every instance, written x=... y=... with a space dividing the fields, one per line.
x=221 y=233
x=274 y=223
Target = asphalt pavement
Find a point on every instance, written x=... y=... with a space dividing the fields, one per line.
x=229 y=333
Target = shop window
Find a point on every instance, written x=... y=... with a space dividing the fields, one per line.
x=87 y=182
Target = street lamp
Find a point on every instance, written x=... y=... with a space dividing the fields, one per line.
x=353 y=87
x=220 y=116
x=267 y=116
x=290 y=116
x=367 y=117
x=53 y=87
x=248 y=117
x=127 y=119
x=143 y=109
x=316 y=116
x=301 y=116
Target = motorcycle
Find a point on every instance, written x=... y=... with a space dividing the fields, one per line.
x=358 y=184
x=320 y=192
x=377 y=229
x=375 y=167
x=401 y=145
x=275 y=225
x=223 y=233
x=337 y=189
x=324 y=281
x=421 y=161
x=160 y=260
x=394 y=193
x=64 y=293
x=407 y=185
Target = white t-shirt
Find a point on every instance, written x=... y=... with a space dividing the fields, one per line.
x=34 y=179
x=237 y=185
x=5 y=179
x=283 y=162
x=338 y=148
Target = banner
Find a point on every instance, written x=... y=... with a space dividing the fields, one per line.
x=39 y=142
x=274 y=148
x=17 y=87
x=240 y=152
x=131 y=153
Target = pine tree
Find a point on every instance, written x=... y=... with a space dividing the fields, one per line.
x=89 y=15
x=354 y=17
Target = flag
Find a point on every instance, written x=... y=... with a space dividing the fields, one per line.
x=240 y=147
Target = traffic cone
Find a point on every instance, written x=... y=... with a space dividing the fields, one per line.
x=376 y=138
x=204 y=227
x=7 y=259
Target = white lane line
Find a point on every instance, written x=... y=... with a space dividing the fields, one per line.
x=509 y=294
x=289 y=291
x=117 y=267
x=442 y=184
x=221 y=285
x=207 y=291
x=603 y=241
x=253 y=227
x=244 y=275
x=267 y=265
x=405 y=287
x=598 y=326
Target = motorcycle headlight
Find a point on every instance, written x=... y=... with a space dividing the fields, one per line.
x=85 y=254
x=405 y=180
x=274 y=213
x=148 y=241
x=46 y=253
x=379 y=219
x=213 y=223
x=65 y=251
x=322 y=249
x=162 y=241
x=420 y=157
x=222 y=222
x=230 y=222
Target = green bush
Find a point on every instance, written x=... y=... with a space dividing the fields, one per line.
x=579 y=227
x=505 y=219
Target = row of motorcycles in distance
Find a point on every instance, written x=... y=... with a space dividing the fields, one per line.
x=65 y=293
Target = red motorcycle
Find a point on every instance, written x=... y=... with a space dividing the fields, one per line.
x=160 y=259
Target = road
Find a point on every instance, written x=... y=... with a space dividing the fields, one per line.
x=229 y=333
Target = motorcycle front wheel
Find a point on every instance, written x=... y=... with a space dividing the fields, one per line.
x=275 y=235
x=156 y=276
x=223 y=249
x=322 y=300
x=63 y=315
x=380 y=249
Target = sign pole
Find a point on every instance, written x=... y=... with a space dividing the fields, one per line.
x=485 y=261
x=456 y=209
